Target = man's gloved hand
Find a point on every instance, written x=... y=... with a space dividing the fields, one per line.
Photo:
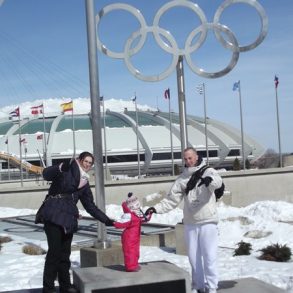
x=150 y=211
x=206 y=181
x=65 y=166
x=109 y=222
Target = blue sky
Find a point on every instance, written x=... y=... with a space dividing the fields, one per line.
x=43 y=54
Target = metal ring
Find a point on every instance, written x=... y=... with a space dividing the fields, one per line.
x=134 y=12
x=234 y=48
x=172 y=47
x=263 y=17
x=195 y=8
x=136 y=72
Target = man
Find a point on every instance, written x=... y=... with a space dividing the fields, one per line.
x=199 y=217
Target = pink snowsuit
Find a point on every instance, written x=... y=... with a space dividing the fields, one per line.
x=130 y=238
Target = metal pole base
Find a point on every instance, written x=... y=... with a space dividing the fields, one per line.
x=103 y=244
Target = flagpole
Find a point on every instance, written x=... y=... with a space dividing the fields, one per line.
x=105 y=143
x=205 y=123
x=171 y=133
x=43 y=146
x=137 y=141
x=8 y=158
x=73 y=132
x=241 y=122
x=278 y=121
x=20 y=151
x=44 y=136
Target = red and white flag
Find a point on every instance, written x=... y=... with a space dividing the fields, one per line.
x=37 y=109
x=14 y=113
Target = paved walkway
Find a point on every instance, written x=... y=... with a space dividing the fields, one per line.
x=247 y=285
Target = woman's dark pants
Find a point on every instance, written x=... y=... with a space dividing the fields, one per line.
x=57 y=262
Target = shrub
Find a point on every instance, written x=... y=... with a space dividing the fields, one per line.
x=236 y=165
x=33 y=250
x=276 y=252
x=242 y=249
x=247 y=164
x=4 y=239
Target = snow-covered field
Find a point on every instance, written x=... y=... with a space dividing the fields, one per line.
x=21 y=271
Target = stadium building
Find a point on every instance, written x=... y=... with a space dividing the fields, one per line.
x=132 y=141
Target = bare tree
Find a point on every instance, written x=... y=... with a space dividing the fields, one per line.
x=270 y=159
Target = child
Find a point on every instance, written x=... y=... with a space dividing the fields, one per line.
x=131 y=222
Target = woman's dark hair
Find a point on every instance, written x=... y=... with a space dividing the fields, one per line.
x=83 y=155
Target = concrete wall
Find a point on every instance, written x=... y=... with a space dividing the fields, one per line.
x=246 y=187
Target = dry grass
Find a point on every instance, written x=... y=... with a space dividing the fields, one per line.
x=4 y=239
x=33 y=250
x=276 y=252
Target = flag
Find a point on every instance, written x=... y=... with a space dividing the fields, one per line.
x=276 y=81
x=37 y=109
x=67 y=106
x=40 y=136
x=14 y=113
x=199 y=89
x=133 y=99
x=167 y=94
x=236 y=86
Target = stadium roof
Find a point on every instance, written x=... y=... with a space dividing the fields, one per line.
x=150 y=142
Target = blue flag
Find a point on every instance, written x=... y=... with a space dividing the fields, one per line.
x=236 y=85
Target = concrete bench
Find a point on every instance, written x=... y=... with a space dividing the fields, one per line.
x=160 y=277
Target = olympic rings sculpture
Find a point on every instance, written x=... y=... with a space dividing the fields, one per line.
x=171 y=47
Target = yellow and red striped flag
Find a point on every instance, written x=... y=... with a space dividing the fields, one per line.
x=67 y=106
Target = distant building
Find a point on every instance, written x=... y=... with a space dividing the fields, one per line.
x=224 y=141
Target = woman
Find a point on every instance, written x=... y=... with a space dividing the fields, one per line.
x=70 y=183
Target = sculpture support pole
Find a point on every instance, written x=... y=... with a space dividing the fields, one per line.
x=96 y=120
x=182 y=105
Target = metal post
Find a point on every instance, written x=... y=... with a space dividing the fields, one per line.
x=44 y=138
x=241 y=121
x=182 y=105
x=171 y=136
x=105 y=142
x=205 y=123
x=96 y=120
x=73 y=132
x=8 y=158
x=137 y=140
x=20 y=151
x=278 y=124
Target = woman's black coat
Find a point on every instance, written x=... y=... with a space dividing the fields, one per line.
x=60 y=204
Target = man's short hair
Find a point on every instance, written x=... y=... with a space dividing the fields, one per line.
x=190 y=149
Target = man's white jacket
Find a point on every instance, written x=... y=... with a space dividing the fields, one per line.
x=200 y=202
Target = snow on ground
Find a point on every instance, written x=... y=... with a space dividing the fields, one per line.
x=269 y=220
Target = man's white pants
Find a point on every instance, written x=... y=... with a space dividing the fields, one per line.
x=202 y=246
